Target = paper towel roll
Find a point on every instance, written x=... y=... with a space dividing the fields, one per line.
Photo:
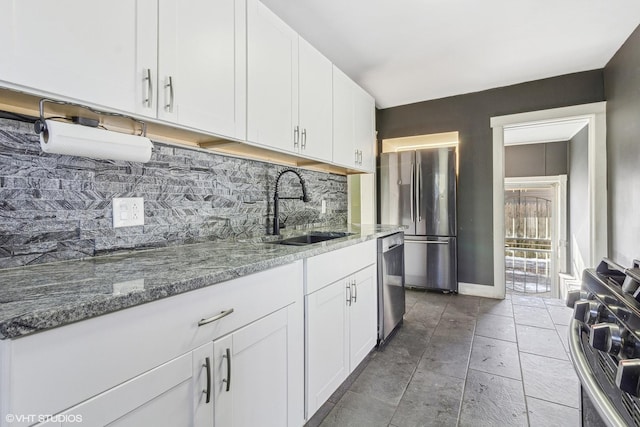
x=78 y=140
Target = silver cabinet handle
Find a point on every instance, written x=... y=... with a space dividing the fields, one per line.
x=296 y=136
x=216 y=317
x=207 y=365
x=169 y=106
x=148 y=96
x=355 y=291
x=350 y=296
x=356 y=154
x=228 y=379
x=304 y=138
x=360 y=157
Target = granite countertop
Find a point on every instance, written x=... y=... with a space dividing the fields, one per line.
x=41 y=297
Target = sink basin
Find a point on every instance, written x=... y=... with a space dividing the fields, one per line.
x=311 y=238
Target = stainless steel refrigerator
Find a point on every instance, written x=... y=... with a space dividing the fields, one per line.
x=418 y=190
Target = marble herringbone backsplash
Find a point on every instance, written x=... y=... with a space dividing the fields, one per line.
x=56 y=207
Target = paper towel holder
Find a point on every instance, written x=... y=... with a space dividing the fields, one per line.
x=40 y=126
x=106 y=144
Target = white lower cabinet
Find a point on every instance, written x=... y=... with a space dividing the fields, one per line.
x=250 y=384
x=363 y=316
x=341 y=322
x=162 y=396
x=327 y=343
x=165 y=363
x=241 y=379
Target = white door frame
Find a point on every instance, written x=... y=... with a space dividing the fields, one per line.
x=595 y=113
x=559 y=223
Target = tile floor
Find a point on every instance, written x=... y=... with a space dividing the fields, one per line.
x=465 y=361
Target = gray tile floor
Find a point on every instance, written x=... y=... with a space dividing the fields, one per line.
x=465 y=361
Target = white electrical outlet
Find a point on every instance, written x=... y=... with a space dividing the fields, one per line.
x=323 y=209
x=128 y=211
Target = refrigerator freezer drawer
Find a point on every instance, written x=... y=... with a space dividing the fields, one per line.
x=431 y=263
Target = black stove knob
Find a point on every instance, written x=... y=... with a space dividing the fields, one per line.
x=630 y=285
x=606 y=337
x=587 y=311
x=575 y=296
x=628 y=376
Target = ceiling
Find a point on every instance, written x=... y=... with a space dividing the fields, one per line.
x=415 y=50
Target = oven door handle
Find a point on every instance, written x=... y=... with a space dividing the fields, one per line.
x=599 y=399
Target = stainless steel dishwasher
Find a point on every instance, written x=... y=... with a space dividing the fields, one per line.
x=390 y=284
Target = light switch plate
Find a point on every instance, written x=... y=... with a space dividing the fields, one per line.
x=324 y=206
x=128 y=211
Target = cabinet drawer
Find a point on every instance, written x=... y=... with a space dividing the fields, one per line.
x=56 y=369
x=160 y=394
x=331 y=266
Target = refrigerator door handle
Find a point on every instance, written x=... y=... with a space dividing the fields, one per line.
x=413 y=201
x=419 y=185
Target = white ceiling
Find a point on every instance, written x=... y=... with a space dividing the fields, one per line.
x=405 y=51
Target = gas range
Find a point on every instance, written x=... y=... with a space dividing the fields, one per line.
x=604 y=342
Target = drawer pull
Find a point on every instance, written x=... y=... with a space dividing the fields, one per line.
x=228 y=379
x=207 y=365
x=216 y=317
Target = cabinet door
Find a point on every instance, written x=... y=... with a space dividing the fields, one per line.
x=162 y=396
x=344 y=149
x=327 y=358
x=272 y=79
x=363 y=316
x=364 y=128
x=80 y=50
x=315 y=103
x=201 y=65
x=251 y=375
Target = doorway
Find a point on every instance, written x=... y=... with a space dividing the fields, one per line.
x=535 y=234
x=596 y=203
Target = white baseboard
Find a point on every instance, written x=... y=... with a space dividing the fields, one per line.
x=486 y=291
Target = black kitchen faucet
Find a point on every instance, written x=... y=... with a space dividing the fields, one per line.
x=276 y=199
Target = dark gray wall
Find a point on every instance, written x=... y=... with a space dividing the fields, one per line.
x=59 y=207
x=578 y=196
x=548 y=159
x=469 y=115
x=622 y=90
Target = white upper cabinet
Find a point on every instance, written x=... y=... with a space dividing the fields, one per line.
x=82 y=50
x=344 y=151
x=201 y=65
x=289 y=88
x=181 y=62
x=364 y=129
x=272 y=79
x=230 y=68
x=315 y=103
x=353 y=124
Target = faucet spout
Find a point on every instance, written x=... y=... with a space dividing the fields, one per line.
x=276 y=198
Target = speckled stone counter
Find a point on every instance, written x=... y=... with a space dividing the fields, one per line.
x=45 y=296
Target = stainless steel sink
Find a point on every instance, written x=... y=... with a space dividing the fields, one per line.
x=311 y=238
